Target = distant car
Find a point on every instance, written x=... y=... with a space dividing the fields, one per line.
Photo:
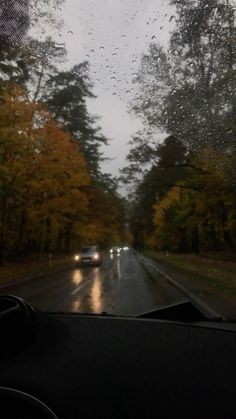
x=115 y=250
x=89 y=255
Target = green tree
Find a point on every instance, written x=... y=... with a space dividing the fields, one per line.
x=189 y=89
x=66 y=96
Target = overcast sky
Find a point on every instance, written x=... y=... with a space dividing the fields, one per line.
x=112 y=35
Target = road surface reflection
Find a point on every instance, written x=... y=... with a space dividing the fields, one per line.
x=96 y=292
x=76 y=305
x=77 y=277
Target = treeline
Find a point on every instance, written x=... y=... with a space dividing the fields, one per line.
x=53 y=194
x=185 y=199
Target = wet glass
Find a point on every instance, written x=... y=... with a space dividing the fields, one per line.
x=117 y=131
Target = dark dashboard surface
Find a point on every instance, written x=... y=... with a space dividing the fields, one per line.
x=88 y=366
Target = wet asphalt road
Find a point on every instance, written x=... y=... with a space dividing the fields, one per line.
x=120 y=286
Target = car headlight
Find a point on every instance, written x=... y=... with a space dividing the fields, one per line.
x=77 y=257
x=96 y=256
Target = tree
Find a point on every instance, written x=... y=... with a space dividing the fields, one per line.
x=66 y=97
x=14 y=22
x=42 y=177
x=189 y=89
x=194 y=220
x=24 y=58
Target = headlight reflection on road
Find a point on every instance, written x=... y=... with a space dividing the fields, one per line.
x=76 y=305
x=77 y=277
x=96 y=293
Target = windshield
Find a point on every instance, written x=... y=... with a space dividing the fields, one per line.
x=118 y=130
x=88 y=249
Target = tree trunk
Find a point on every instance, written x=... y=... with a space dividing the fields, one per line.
x=195 y=240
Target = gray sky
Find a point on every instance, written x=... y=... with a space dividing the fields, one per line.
x=112 y=35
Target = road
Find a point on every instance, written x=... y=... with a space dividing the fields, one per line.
x=120 y=286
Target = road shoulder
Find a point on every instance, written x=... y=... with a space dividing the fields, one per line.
x=203 y=292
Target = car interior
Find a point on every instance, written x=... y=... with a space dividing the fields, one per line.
x=74 y=365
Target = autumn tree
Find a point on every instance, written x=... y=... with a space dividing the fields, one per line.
x=42 y=176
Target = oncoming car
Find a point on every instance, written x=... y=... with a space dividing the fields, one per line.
x=89 y=255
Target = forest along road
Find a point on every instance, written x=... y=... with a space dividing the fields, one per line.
x=120 y=286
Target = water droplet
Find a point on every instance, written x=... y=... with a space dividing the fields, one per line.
x=133 y=61
x=113 y=78
x=57 y=45
x=114 y=54
x=127 y=92
x=92 y=51
x=101 y=47
x=90 y=34
x=114 y=93
x=70 y=32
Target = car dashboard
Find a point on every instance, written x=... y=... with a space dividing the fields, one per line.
x=82 y=366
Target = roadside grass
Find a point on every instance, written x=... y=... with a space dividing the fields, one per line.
x=212 y=272
x=33 y=266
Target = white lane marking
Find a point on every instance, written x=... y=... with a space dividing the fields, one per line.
x=80 y=287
